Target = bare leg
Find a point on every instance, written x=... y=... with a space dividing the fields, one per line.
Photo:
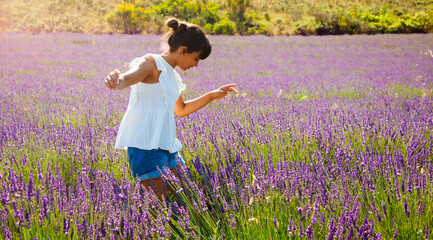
x=157 y=185
x=175 y=170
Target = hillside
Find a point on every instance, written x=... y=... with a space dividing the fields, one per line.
x=273 y=17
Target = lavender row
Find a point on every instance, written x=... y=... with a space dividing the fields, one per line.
x=329 y=138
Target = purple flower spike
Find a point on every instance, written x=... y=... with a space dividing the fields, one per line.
x=420 y=208
x=299 y=210
x=378 y=216
x=395 y=234
x=301 y=230
x=309 y=232
x=384 y=208
x=7 y=233
x=406 y=208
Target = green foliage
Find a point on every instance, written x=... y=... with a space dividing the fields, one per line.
x=199 y=12
x=225 y=27
x=306 y=27
x=129 y=18
x=236 y=11
x=207 y=14
x=388 y=22
x=357 y=20
x=259 y=28
x=270 y=17
x=255 y=25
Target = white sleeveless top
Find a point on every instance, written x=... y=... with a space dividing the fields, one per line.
x=149 y=122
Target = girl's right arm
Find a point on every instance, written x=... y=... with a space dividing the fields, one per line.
x=118 y=81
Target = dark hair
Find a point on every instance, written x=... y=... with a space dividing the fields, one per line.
x=189 y=35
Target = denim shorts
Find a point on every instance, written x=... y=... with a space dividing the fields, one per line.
x=145 y=163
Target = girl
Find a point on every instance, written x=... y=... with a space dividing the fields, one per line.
x=148 y=129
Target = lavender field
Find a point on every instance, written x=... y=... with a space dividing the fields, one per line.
x=329 y=138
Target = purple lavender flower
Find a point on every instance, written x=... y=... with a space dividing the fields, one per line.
x=30 y=190
x=301 y=230
x=395 y=234
x=102 y=229
x=7 y=233
x=331 y=231
x=420 y=208
x=378 y=216
x=309 y=232
x=384 y=208
x=350 y=233
x=232 y=222
x=290 y=226
x=44 y=207
x=66 y=226
x=406 y=208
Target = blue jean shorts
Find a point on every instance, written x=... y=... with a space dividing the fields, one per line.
x=145 y=163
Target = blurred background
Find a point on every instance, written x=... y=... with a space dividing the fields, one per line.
x=227 y=17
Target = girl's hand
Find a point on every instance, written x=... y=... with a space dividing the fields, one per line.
x=223 y=91
x=112 y=79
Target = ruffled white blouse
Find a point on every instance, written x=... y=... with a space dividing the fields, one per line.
x=149 y=122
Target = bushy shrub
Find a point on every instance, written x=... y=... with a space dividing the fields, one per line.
x=248 y=21
x=425 y=21
x=199 y=12
x=129 y=18
x=236 y=9
x=209 y=14
x=388 y=22
x=259 y=28
x=356 y=20
x=225 y=27
x=306 y=27
x=208 y=28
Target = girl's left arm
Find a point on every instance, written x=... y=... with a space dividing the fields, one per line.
x=183 y=109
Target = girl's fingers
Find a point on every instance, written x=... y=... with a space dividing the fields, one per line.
x=116 y=72
x=107 y=83
x=112 y=79
x=113 y=76
x=234 y=90
x=230 y=85
x=231 y=89
x=110 y=82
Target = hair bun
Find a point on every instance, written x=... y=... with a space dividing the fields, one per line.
x=178 y=27
x=181 y=28
x=173 y=23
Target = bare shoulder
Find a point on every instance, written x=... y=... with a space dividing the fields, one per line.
x=148 y=64
x=148 y=70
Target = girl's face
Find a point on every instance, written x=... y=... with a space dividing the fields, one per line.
x=189 y=60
